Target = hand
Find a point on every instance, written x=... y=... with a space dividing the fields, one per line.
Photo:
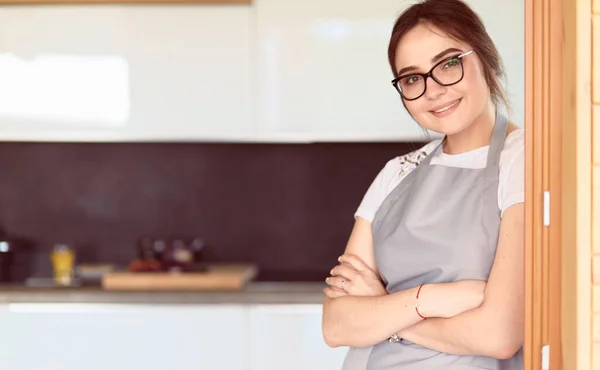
x=450 y=299
x=353 y=277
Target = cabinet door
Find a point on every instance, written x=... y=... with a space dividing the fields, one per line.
x=101 y=337
x=323 y=72
x=119 y=73
x=289 y=337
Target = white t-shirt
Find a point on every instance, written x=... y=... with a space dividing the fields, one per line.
x=511 y=186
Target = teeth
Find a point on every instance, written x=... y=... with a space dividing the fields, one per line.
x=448 y=107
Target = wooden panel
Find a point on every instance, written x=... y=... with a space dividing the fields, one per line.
x=596 y=208
x=576 y=225
x=543 y=122
x=534 y=33
x=596 y=59
x=596 y=299
x=596 y=333
x=596 y=131
x=553 y=172
x=596 y=269
x=75 y=2
x=596 y=356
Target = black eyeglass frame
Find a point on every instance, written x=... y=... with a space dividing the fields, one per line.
x=425 y=76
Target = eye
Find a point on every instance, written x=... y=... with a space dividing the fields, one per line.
x=451 y=63
x=409 y=80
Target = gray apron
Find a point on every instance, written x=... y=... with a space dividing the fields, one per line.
x=440 y=224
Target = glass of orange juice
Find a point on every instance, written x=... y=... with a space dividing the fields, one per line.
x=63 y=264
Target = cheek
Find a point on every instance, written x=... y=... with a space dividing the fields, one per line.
x=474 y=82
x=415 y=107
x=473 y=87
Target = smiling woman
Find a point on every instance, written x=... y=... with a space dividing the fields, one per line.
x=432 y=276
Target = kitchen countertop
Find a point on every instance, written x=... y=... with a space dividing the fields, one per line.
x=255 y=293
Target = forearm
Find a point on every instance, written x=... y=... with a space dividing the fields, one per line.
x=476 y=332
x=457 y=335
x=495 y=329
x=357 y=321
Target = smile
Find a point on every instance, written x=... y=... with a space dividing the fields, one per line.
x=447 y=109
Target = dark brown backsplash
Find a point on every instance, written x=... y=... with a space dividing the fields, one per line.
x=287 y=207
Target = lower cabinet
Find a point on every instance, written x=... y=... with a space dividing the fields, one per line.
x=289 y=337
x=122 y=337
x=41 y=336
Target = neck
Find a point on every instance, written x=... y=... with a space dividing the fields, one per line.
x=475 y=136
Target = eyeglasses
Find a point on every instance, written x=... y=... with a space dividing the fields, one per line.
x=447 y=72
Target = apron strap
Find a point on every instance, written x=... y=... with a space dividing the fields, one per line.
x=497 y=141
x=434 y=152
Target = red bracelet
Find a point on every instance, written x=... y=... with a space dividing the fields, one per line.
x=417 y=303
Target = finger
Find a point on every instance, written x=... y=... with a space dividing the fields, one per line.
x=336 y=282
x=344 y=271
x=354 y=261
x=334 y=293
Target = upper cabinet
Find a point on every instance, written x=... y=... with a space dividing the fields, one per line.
x=323 y=71
x=79 y=2
x=269 y=71
x=115 y=73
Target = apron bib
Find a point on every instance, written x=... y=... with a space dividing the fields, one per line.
x=440 y=224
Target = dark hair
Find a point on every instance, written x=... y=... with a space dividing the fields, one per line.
x=460 y=22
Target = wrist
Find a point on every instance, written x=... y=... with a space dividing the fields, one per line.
x=423 y=306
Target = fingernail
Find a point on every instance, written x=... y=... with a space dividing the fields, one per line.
x=339 y=258
x=326 y=280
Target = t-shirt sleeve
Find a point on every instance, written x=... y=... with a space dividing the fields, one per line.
x=377 y=191
x=511 y=187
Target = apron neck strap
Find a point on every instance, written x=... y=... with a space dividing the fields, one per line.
x=496 y=143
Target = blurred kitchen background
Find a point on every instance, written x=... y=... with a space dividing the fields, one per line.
x=189 y=139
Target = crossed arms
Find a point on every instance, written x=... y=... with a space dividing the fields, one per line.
x=464 y=318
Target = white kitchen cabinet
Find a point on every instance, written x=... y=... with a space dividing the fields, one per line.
x=119 y=73
x=105 y=336
x=92 y=336
x=323 y=71
x=289 y=337
x=269 y=71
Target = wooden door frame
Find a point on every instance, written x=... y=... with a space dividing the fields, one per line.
x=558 y=164
x=576 y=209
x=540 y=60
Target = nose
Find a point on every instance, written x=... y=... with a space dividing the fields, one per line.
x=433 y=90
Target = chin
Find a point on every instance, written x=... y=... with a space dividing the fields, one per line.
x=446 y=126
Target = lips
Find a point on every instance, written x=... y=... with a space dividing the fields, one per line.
x=445 y=109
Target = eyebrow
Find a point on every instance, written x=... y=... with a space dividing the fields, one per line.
x=436 y=58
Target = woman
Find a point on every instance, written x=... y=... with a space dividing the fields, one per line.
x=442 y=227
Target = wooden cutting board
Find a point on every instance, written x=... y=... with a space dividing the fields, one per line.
x=216 y=277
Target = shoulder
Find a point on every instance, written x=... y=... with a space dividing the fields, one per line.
x=514 y=149
x=511 y=186
x=389 y=176
x=404 y=164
